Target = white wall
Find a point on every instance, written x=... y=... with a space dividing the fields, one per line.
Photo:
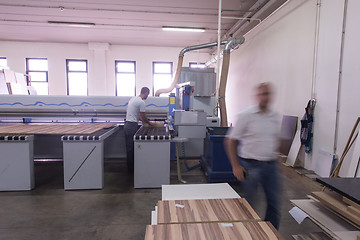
x=350 y=85
x=331 y=16
x=281 y=50
x=57 y=53
x=275 y=52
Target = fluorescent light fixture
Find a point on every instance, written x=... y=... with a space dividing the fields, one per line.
x=73 y=24
x=182 y=29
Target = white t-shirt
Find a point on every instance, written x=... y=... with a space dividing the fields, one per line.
x=258 y=134
x=135 y=106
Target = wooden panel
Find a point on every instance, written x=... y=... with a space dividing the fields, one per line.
x=56 y=129
x=351 y=203
x=287 y=133
x=337 y=206
x=328 y=221
x=312 y=236
x=212 y=231
x=205 y=210
x=353 y=210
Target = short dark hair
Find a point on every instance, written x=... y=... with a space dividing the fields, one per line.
x=145 y=90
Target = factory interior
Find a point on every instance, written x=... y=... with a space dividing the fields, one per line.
x=69 y=70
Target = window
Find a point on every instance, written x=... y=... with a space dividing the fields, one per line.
x=3 y=63
x=37 y=69
x=196 y=65
x=162 y=75
x=125 y=78
x=77 y=77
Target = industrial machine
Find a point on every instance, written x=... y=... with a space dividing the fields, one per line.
x=83 y=153
x=188 y=113
x=215 y=162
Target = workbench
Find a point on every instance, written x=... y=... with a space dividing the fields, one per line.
x=83 y=145
x=206 y=211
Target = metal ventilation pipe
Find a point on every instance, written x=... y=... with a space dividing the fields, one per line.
x=180 y=62
x=224 y=74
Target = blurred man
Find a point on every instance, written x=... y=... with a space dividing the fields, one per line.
x=254 y=159
x=135 y=112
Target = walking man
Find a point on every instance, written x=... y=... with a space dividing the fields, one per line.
x=252 y=147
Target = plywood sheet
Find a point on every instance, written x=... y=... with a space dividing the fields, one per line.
x=325 y=219
x=205 y=210
x=287 y=132
x=56 y=129
x=212 y=231
x=312 y=236
x=349 y=235
x=294 y=150
x=337 y=206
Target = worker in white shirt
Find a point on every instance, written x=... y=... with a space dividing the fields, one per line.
x=252 y=147
x=135 y=112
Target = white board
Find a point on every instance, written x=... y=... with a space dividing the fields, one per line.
x=198 y=191
x=295 y=147
x=323 y=163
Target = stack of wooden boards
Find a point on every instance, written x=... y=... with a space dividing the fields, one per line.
x=341 y=206
x=209 y=219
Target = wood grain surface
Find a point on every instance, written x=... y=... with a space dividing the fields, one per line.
x=312 y=236
x=337 y=206
x=205 y=210
x=212 y=231
x=79 y=128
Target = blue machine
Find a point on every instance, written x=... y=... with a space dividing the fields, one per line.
x=215 y=162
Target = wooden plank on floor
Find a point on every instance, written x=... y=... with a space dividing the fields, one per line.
x=325 y=219
x=212 y=231
x=205 y=210
x=337 y=206
x=312 y=236
x=351 y=203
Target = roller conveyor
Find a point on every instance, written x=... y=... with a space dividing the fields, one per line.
x=152 y=133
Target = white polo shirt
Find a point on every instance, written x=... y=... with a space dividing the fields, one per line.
x=258 y=134
x=135 y=106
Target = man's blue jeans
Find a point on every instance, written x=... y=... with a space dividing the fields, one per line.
x=266 y=174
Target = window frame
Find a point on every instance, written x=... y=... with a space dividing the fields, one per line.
x=6 y=61
x=153 y=73
x=28 y=78
x=116 y=74
x=196 y=63
x=69 y=71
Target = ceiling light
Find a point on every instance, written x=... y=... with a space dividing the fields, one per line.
x=73 y=24
x=182 y=29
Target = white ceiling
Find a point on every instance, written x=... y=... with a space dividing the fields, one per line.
x=127 y=22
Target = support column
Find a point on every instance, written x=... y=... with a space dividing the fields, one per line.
x=98 y=84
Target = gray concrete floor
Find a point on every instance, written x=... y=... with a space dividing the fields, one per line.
x=116 y=212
